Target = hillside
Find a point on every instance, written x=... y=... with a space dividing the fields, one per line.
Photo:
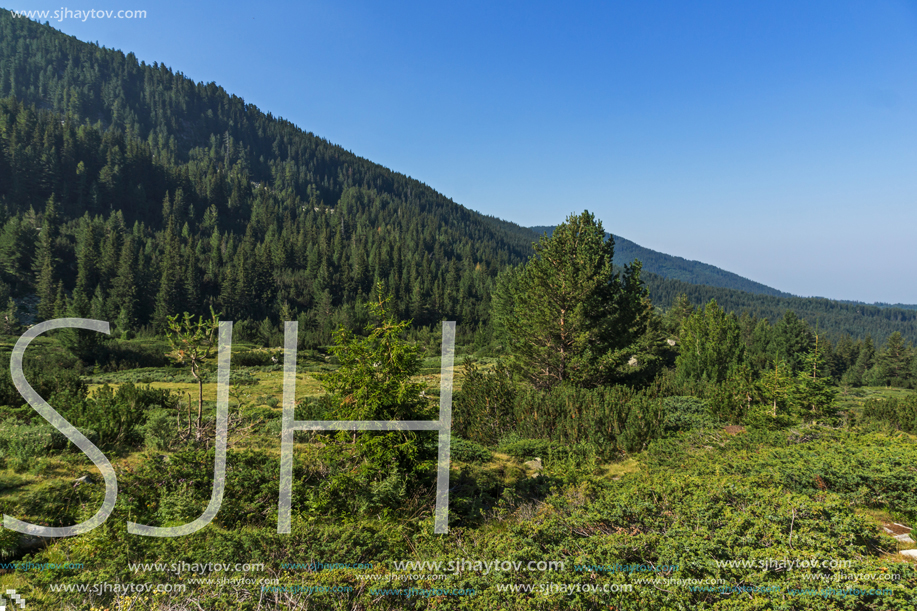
x=679 y=268
x=834 y=318
x=593 y=454
x=170 y=195
x=270 y=221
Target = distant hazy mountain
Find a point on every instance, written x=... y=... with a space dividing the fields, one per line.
x=678 y=268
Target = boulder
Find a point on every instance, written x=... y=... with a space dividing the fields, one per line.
x=83 y=480
x=534 y=464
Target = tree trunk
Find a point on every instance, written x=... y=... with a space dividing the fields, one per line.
x=200 y=400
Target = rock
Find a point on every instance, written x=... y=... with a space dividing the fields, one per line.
x=900 y=532
x=83 y=480
x=534 y=465
x=670 y=342
x=911 y=553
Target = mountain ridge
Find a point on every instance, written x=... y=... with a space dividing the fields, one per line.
x=674 y=267
x=679 y=268
x=105 y=134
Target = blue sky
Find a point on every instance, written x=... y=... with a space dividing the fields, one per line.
x=772 y=139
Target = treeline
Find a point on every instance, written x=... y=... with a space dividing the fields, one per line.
x=195 y=199
x=714 y=343
x=834 y=319
x=222 y=205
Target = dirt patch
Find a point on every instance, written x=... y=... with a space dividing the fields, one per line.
x=894 y=528
x=899 y=531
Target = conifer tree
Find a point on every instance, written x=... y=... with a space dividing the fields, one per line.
x=46 y=261
x=813 y=394
x=169 y=297
x=710 y=345
x=894 y=364
x=568 y=317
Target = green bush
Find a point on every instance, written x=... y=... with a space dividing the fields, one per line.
x=483 y=410
x=257 y=358
x=22 y=445
x=160 y=431
x=242 y=378
x=898 y=412
x=526 y=448
x=761 y=416
x=468 y=451
x=48 y=377
x=687 y=414
x=116 y=415
x=611 y=419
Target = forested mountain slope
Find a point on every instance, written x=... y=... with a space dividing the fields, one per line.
x=129 y=193
x=834 y=318
x=270 y=220
x=678 y=268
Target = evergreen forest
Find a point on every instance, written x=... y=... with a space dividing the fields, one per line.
x=628 y=430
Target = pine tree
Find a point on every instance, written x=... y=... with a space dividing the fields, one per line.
x=192 y=280
x=894 y=364
x=679 y=312
x=793 y=340
x=857 y=375
x=376 y=381
x=813 y=394
x=87 y=269
x=566 y=314
x=123 y=299
x=46 y=261
x=10 y=318
x=169 y=296
x=711 y=345
x=46 y=289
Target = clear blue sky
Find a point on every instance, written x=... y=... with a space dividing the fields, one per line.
x=773 y=139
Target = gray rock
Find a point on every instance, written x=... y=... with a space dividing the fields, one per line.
x=83 y=480
x=912 y=553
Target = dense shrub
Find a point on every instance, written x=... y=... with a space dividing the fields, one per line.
x=468 y=451
x=160 y=431
x=615 y=418
x=525 y=448
x=611 y=418
x=686 y=414
x=483 y=410
x=22 y=444
x=257 y=358
x=900 y=413
x=115 y=415
x=47 y=379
